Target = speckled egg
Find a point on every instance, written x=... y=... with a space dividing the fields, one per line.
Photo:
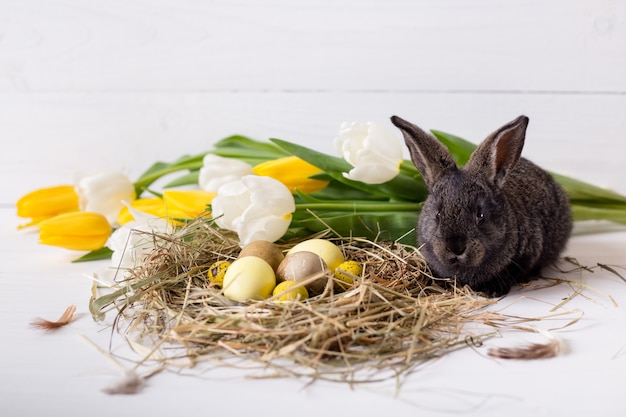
x=216 y=272
x=347 y=271
x=287 y=294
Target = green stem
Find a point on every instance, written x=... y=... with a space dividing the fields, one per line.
x=598 y=213
x=361 y=206
x=145 y=182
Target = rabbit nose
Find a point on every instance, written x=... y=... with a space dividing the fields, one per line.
x=456 y=245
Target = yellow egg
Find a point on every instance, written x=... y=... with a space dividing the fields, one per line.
x=216 y=272
x=290 y=295
x=347 y=271
x=325 y=249
x=249 y=278
x=264 y=250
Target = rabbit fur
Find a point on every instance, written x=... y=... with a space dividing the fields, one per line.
x=493 y=223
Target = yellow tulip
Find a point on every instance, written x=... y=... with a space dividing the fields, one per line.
x=153 y=205
x=187 y=204
x=294 y=172
x=79 y=230
x=47 y=202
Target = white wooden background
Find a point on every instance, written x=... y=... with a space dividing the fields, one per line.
x=117 y=84
x=88 y=84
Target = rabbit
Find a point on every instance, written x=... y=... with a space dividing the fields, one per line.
x=494 y=223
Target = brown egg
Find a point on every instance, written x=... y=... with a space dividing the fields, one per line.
x=301 y=266
x=264 y=250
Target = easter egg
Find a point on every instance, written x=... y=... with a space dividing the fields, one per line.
x=265 y=250
x=249 y=278
x=216 y=272
x=325 y=249
x=287 y=294
x=303 y=266
x=346 y=271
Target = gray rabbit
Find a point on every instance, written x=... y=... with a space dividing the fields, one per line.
x=493 y=223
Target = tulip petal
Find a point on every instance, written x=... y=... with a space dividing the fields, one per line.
x=293 y=172
x=374 y=152
x=76 y=231
x=47 y=202
x=104 y=192
x=256 y=207
x=187 y=204
x=218 y=170
x=153 y=205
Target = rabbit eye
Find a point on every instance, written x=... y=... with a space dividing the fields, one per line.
x=438 y=215
x=480 y=216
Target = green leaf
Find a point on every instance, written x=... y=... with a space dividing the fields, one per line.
x=95 y=255
x=581 y=212
x=402 y=187
x=582 y=191
x=337 y=190
x=155 y=173
x=148 y=177
x=246 y=147
x=390 y=226
x=321 y=160
x=407 y=168
x=460 y=148
x=132 y=292
x=186 y=160
x=187 y=179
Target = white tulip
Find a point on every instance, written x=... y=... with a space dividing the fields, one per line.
x=104 y=193
x=135 y=240
x=374 y=152
x=217 y=171
x=256 y=207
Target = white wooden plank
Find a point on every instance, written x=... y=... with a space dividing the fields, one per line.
x=174 y=45
x=51 y=137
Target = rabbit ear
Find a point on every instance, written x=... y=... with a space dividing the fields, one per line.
x=499 y=152
x=431 y=157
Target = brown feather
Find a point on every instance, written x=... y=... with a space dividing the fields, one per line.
x=66 y=318
x=546 y=350
x=131 y=383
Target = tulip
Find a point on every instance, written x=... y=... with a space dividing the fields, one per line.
x=47 y=202
x=135 y=240
x=151 y=205
x=257 y=208
x=294 y=172
x=79 y=230
x=104 y=193
x=374 y=152
x=217 y=171
x=187 y=204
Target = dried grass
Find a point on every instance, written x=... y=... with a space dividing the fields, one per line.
x=394 y=317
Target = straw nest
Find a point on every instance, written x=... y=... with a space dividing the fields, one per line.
x=393 y=318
